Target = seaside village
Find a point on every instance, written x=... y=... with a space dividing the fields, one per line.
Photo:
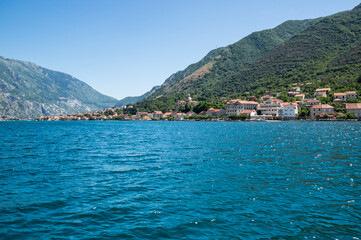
x=267 y=107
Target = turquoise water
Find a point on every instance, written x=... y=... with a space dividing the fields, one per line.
x=180 y=180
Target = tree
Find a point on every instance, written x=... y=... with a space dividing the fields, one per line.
x=341 y=116
x=304 y=112
x=351 y=115
x=201 y=106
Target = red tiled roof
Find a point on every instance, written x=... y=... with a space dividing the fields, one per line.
x=339 y=94
x=246 y=111
x=353 y=105
x=323 y=106
x=241 y=101
x=323 y=89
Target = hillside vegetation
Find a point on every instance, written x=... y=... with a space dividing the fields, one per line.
x=220 y=63
x=325 y=52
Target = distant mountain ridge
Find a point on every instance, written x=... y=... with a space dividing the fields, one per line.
x=29 y=91
x=132 y=100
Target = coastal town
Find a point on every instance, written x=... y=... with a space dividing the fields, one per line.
x=345 y=105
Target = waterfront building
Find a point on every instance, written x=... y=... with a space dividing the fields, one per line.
x=236 y=106
x=355 y=108
x=158 y=115
x=322 y=109
x=271 y=107
x=289 y=111
x=141 y=114
x=249 y=113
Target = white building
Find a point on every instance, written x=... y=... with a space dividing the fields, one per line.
x=249 y=113
x=271 y=107
x=289 y=111
x=236 y=106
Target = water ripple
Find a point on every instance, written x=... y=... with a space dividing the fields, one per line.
x=180 y=180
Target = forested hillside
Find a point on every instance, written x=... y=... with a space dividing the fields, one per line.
x=324 y=52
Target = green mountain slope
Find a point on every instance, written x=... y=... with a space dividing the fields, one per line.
x=327 y=54
x=28 y=91
x=218 y=63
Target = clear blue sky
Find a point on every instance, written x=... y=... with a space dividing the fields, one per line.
x=124 y=48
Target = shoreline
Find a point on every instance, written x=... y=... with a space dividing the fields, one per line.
x=190 y=120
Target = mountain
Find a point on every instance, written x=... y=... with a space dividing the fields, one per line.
x=29 y=91
x=233 y=58
x=133 y=100
x=327 y=53
x=324 y=51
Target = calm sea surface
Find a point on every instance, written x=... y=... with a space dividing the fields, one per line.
x=180 y=180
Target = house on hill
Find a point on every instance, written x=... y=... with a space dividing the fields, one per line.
x=312 y=102
x=189 y=101
x=342 y=97
x=322 y=92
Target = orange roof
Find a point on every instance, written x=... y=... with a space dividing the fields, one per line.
x=323 y=89
x=314 y=100
x=247 y=111
x=158 y=112
x=353 y=105
x=323 y=106
x=351 y=92
x=266 y=96
x=241 y=101
x=339 y=94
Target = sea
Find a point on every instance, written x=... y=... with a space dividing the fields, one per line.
x=180 y=180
